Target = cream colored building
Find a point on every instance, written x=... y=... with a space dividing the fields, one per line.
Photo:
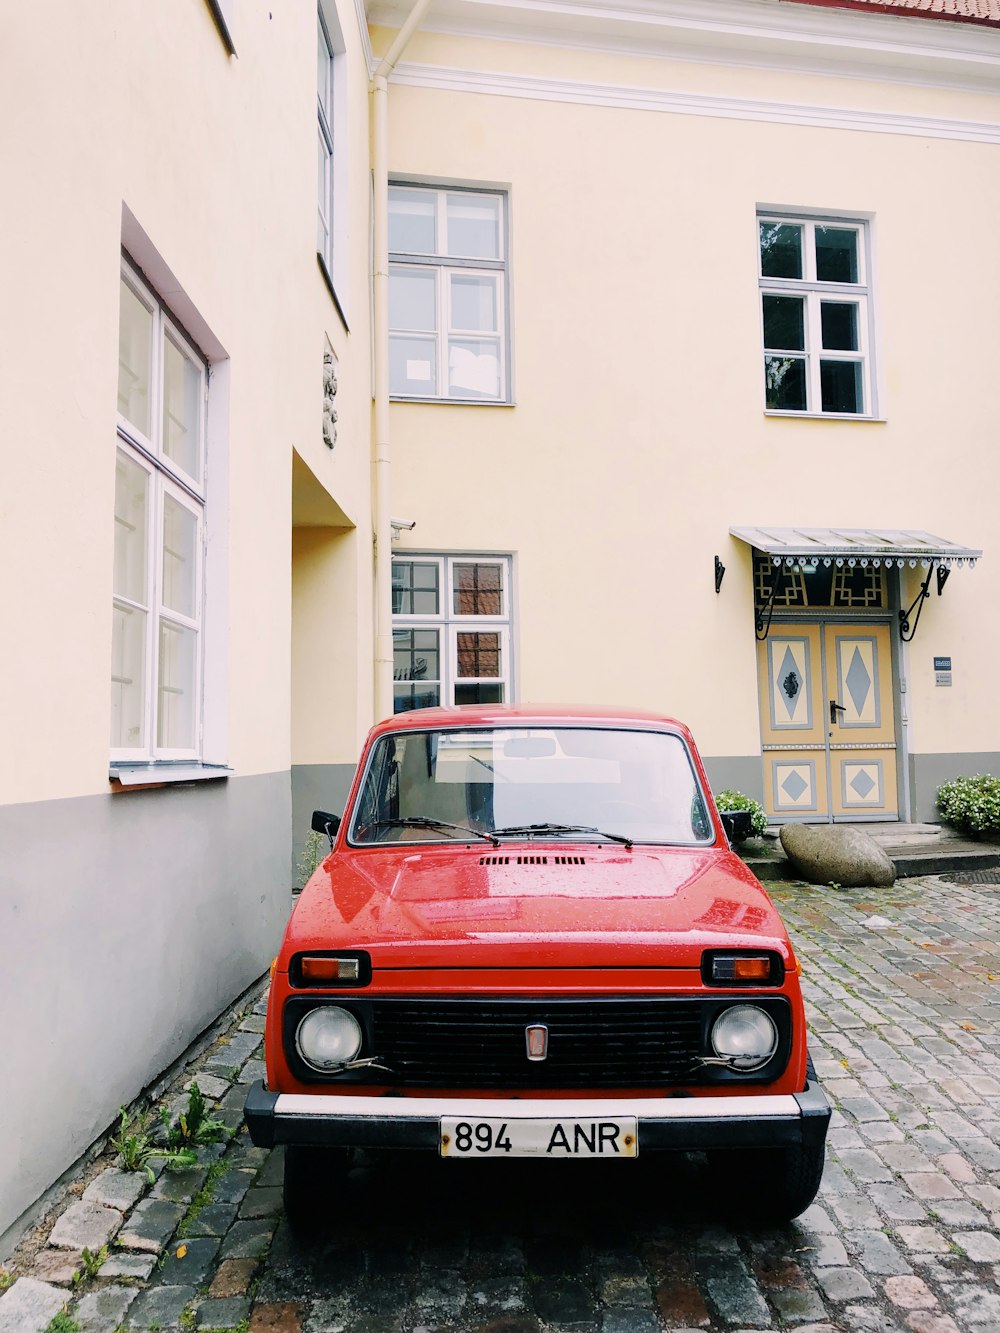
x=673 y=284
x=178 y=260
x=485 y=384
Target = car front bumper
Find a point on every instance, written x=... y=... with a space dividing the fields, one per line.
x=680 y=1123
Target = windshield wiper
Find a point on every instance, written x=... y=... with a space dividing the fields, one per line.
x=424 y=821
x=514 y=829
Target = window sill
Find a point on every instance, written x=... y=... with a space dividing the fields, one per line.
x=328 y=279
x=221 y=22
x=824 y=416
x=454 y=402
x=164 y=773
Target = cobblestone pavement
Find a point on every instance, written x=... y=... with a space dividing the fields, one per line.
x=903 y=991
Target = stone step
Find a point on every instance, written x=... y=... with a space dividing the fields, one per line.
x=936 y=860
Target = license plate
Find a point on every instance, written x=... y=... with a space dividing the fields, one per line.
x=573 y=1138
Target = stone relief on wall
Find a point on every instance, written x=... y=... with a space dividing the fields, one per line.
x=329 y=399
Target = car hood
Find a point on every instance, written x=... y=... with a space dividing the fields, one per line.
x=530 y=906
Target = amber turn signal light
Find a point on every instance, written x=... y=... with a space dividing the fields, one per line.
x=323 y=971
x=751 y=969
x=742 y=969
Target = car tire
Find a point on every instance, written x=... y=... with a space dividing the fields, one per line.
x=313 y=1179
x=767 y=1185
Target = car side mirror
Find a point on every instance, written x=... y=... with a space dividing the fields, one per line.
x=324 y=822
x=737 y=824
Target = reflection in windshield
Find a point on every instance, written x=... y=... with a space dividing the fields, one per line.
x=638 y=785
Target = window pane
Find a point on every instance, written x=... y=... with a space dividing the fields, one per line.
x=836 y=254
x=478 y=590
x=175 y=718
x=479 y=655
x=128 y=677
x=474 y=368
x=135 y=334
x=473 y=226
x=784 y=323
x=323 y=68
x=839 y=320
x=131 y=526
x=412 y=299
x=412 y=365
x=323 y=177
x=473 y=303
x=841 y=386
x=785 y=383
x=415 y=588
x=182 y=381
x=479 y=692
x=407 y=697
x=412 y=224
x=180 y=558
x=416 y=669
x=780 y=250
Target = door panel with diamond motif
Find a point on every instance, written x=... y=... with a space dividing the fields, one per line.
x=827 y=722
x=792 y=722
x=863 y=735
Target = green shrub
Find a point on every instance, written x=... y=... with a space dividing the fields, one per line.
x=736 y=800
x=971 y=804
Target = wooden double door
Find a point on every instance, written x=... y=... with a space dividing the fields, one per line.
x=828 y=721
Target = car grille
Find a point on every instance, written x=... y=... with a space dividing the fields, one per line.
x=593 y=1043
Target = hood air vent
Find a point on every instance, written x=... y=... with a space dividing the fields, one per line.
x=532 y=860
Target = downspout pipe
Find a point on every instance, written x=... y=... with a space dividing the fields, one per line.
x=381 y=451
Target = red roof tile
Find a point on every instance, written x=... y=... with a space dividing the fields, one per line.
x=958 y=11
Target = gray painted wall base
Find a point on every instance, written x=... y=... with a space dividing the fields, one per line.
x=315 y=787
x=743 y=773
x=928 y=771
x=128 y=922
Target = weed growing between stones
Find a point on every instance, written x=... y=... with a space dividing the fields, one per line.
x=62 y=1323
x=92 y=1262
x=204 y=1197
x=193 y=1127
x=136 y=1150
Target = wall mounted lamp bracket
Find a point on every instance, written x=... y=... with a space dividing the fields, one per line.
x=720 y=572
x=908 y=629
x=762 y=617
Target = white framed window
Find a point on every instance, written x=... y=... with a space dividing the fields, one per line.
x=451 y=630
x=159 y=517
x=448 y=290
x=324 y=108
x=816 y=316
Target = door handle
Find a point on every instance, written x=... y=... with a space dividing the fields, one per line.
x=835 y=708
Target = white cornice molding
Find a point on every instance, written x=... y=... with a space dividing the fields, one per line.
x=768 y=33
x=692 y=104
x=366 y=41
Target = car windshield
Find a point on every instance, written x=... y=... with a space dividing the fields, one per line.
x=523 y=782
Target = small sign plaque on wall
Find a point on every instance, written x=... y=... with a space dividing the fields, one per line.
x=942 y=671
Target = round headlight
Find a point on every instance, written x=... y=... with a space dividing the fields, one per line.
x=745 y=1035
x=328 y=1037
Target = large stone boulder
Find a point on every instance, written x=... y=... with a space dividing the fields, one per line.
x=835 y=854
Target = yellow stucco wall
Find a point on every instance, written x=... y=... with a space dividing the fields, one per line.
x=638 y=435
x=141 y=106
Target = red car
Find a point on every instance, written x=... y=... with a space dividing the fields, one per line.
x=532 y=939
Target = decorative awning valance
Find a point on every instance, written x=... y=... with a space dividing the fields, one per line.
x=856 y=546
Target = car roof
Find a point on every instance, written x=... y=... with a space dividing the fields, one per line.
x=502 y=715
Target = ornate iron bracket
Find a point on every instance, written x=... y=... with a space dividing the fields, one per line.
x=768 y=608
x=906 y=630
x=720 y=571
